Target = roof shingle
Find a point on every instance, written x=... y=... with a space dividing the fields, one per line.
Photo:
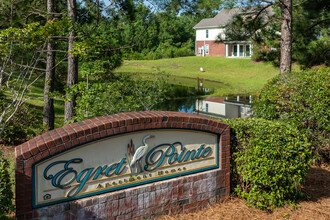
x=226 y=15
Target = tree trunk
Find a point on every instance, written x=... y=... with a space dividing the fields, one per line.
x=48 y=114
x=286 y=36
x=72 y=64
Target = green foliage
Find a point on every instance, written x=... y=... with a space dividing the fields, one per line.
x=6 y=193
x=270 y=161
x=125 y=93
x=246 y=26
x=263 y=53
x=311 y=24
x=154 y=35
x=166 y=50
x=30 y=36
x=24 y=125
x=314 y=53
x=301 y=99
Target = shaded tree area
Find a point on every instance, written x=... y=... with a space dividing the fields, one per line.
x=164 y=29
x=25 y=33
x=73 y=47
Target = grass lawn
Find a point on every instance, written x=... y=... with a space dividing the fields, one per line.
x=37 y=102
x=225 y=75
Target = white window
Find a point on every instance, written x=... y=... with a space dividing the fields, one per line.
x=207 y=107
x=200 y=50
x=242 y=110
x=206 y=49
x=247 y=50
x=207 y=33
x=248 y=111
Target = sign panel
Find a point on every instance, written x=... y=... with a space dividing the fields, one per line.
x=123 y=161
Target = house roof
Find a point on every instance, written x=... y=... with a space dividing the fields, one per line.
x=226 y=15
x=215 y=99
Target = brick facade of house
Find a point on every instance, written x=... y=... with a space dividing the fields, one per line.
x=215 y=49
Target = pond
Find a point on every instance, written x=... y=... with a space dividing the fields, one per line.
x=218 y=107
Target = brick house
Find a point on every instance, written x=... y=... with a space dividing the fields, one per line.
x=208 y=30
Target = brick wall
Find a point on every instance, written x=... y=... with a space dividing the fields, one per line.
x=183 y=194
x=215 y=49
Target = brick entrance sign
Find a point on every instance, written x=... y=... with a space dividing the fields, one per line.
x=128 y=165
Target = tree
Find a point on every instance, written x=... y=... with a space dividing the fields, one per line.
x=72 y=78
x=286 y=35
x=255 y=20
x=24 y=31
x=311 y=22
x=301 y=19
x=48 y=113
x=21 y=51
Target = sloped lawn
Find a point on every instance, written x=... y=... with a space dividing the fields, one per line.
x=224 y=75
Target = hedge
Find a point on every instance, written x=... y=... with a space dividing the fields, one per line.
x=300 y=98
x=270 y=161
x=6 y=193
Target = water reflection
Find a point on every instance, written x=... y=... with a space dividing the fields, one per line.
x=219 y=107
x=179 y=105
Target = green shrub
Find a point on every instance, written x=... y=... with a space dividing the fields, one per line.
x=127 y=93
x=259 y=54
x=301 y=99
x=264 y=54
x=6 y=193
x=269 y=162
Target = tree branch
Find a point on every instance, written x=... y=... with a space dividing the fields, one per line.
x=260 y=11
x=27 y=66
x=45 y=12
x=33 y=13
x=118 y=48
x=60 y=51
x=270 y=2
x=299 y=3
x=318 y=22
x=60 y=38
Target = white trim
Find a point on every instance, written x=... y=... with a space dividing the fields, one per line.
x=239 y=52
x=208 y=27
x=239 y=42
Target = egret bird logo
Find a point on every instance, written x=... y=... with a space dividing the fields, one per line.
x=139 y=153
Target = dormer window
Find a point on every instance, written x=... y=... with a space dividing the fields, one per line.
x=207 y=33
